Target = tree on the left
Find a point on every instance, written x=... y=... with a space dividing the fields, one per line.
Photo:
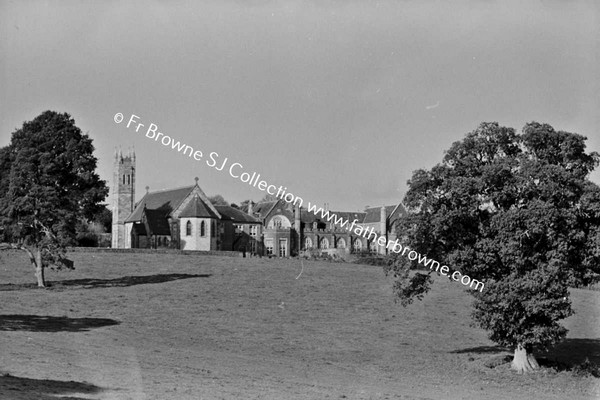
x=48 y=182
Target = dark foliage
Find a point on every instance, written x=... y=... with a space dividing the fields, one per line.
x=514 y=211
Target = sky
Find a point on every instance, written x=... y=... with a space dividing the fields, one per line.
x=339 y=101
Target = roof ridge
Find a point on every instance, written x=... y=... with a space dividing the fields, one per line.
x=172 y=190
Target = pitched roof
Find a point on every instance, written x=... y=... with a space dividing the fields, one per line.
x=349 y=215
x=166 y=200
x=235 y=215
x=196 y=208
x=373 y=214
x=263 y=208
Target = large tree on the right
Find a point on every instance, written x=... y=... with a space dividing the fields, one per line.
x=518 y=212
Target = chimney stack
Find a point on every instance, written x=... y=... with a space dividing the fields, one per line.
x=250 y=208
x=383 y=226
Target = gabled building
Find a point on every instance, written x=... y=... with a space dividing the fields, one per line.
x=184 y=218
x=288 y=230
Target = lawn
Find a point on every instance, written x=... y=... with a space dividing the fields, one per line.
x=152 y=326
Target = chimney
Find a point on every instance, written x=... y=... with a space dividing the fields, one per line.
x=250 y=208
x=297 y=218
x=383 y=227
x=298 y=227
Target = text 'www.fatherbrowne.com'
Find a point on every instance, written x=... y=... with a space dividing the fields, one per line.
x=237 y=171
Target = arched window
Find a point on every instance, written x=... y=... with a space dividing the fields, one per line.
x=357 y=245
x=324 y=243
x=308 y=243
x=202 y=229
x=123 y=179
x=341 y=244
x=279 y=221
x=188 y=228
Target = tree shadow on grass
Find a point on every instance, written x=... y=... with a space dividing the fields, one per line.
x=91 y=283
x=46 y=323
x=575 y=351
x=565 y=356
x=12 y=387
x=481 y=350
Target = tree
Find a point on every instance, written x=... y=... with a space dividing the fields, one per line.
x=104 y=218
x=514 y=211
x=48 y=172
x=218 y=200
x=268 y=197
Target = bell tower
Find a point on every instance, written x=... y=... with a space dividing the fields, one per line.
x=123 y=197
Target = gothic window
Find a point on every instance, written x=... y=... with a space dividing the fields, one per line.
x=357 y=245
x=341 y=243
x=308 y=243
x=188 y=228
x=202 y=229
x=324 y=243
x=129 y=179
x=279 y=221
x=123 y=179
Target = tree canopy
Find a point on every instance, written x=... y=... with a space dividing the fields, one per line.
x=218 y=200
x=49 y=182
x=515 y=211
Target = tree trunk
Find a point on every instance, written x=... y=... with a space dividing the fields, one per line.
x=39 y=269
x=524 y=361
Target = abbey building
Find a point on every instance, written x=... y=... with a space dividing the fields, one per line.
x=184 y=218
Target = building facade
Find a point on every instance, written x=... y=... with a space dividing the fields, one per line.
x=181 y=218
x=184 y=218
x=288 y=230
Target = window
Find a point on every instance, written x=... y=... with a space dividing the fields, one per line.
x=269 y=246
x=308 y=243
x=253 y=230
x=279 y=221
x=123 y=179
x=324 y=243
x=341 y=243
x=202 y=229
x=239 y=228
x=282 y=247
x=188 y=228
x=357 y=245
x=129 y=179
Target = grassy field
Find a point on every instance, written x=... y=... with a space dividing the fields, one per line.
x=148 y=326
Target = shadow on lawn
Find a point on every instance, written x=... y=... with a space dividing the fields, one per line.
x=570 y=354
x=44 y=389
x=570 y=351
x=576 y=351
x=481 y=350
x=104 y=283
x=46 y=323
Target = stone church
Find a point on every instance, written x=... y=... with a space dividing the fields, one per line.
x=184 y=218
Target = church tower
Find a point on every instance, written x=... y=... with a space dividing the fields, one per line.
x=123 y=195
